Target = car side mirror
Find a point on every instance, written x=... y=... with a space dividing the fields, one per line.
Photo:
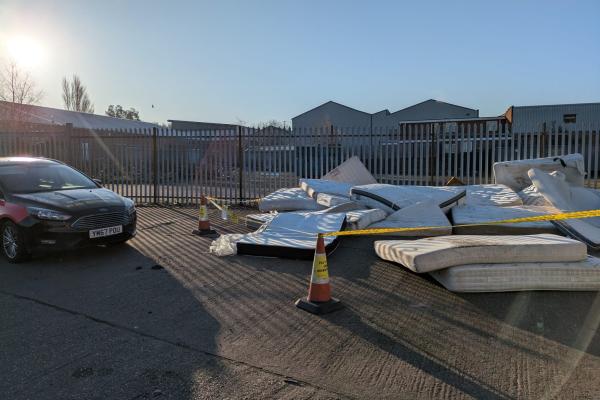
x=98 y=181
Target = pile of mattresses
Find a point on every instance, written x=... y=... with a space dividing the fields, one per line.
x=482 y=263
x=565 y=196
x=514 y=195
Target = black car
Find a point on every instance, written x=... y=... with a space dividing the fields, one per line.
x=45 y=204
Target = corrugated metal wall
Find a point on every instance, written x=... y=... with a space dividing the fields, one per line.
x=532 y=118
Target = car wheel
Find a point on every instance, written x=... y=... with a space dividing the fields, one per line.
x=13 y=245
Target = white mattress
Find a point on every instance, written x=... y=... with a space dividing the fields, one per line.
x=432 y=254
x=531 y=197
x=331 y=200
x=469 y=214
x=566 y=197
x=286 y=235
x=255 y=221
x=360 y=219
x=315 y=186
x=421 y=214
x=351 y=171
x=514 y=173
x=288 y=200
x=583 y=275
x=492 y=195
x=391 y=198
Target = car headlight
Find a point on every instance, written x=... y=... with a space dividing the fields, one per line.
x=43 y=213
x=130 y=206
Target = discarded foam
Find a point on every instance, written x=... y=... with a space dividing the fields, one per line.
x=583 y=275
x=431 y=254
x=423 y=214
x=288 y=200
x=514 y=173
x=393 y=198
x=474 y=214
x=492 y=195
x=351 y=171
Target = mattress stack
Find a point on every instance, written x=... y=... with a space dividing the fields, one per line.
x=481 y=263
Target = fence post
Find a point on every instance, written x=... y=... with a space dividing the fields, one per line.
x=69 y=140
x=543 y=140
x=155 y=164
x=432 y=154
x=241 y=162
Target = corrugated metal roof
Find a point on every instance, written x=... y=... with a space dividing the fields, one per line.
x=54 y=116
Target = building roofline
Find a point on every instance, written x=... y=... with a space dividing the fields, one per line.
x=559 y=105
x=30 y=109
x=200 y=122
x=333 y=102
x=479 y=119
x=437 y=101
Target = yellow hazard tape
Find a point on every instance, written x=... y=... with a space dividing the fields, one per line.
x=539 y=218
x=378 y=231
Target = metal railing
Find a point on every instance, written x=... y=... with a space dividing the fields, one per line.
x=175 y=167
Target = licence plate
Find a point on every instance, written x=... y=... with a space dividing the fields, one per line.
x=103 y=232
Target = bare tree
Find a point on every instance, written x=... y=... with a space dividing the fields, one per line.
x=16 y=85
x=75 y=96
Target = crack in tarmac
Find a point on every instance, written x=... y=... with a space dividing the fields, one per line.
x=176 y=344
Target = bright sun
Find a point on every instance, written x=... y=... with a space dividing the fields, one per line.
x=25 y=51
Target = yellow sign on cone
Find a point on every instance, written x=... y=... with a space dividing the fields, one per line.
x=204 y=228
x=319 y=300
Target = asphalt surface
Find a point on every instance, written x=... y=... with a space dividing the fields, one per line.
x=159 y=318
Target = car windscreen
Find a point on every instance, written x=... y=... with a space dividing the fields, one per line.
x=31 y=178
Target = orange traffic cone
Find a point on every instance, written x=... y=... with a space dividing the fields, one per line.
x=204 y=228
x=319 y=300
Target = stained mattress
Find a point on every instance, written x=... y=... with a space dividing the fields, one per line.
x=583 y=275
x=432 y=254
x=392 y=198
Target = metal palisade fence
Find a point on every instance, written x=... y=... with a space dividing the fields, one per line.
x=165 y=166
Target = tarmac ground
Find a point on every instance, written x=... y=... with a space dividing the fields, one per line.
x=160 y=318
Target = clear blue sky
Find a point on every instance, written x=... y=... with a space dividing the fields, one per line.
x=259 y=60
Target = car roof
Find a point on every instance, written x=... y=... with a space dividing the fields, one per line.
x=4 y=161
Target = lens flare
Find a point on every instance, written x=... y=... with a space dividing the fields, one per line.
x=25 y=51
